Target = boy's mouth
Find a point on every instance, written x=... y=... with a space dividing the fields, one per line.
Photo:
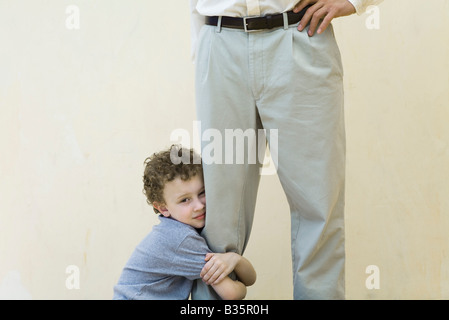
x=201 y=216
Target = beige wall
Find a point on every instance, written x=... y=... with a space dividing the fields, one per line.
x=81 y=109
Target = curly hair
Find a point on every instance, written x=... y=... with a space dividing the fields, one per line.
x=165 y=166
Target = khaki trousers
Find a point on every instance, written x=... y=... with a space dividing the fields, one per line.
x=286 y=82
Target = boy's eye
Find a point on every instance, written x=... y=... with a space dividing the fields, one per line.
x=184 y=200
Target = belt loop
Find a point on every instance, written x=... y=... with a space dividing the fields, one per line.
x=285 y=16
x=218 y=30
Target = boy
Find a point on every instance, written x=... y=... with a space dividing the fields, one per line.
x=173 y=255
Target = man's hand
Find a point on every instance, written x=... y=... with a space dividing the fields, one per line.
x=218 y=266
x=325 y=10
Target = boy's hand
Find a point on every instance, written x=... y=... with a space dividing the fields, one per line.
x=325 y=10
x=218 y=266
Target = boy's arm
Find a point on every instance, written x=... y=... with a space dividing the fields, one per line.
x=229 y=289
x=220 y=265
x=245 y=272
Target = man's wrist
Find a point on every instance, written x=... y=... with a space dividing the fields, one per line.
x=353 y=5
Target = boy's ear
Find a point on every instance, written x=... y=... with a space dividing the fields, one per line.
x=162 y=209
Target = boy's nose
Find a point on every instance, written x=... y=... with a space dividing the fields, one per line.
x=199 y=205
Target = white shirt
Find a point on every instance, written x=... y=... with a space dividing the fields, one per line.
x=242 y=8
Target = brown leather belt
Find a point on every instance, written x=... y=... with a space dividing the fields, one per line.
x=250 y=24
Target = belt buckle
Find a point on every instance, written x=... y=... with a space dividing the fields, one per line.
x=245 y=24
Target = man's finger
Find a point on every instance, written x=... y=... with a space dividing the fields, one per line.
x=316 y=18
x=302 y=5
x=325 y=23
x=309 y=16
x=306 y=18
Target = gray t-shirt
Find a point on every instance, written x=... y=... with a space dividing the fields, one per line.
x=164 y=265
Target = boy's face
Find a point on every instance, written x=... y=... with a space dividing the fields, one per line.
x=185 y=201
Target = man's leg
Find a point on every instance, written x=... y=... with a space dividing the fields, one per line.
x=226 y=110
x=303 y=99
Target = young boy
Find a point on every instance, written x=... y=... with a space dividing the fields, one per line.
x=168 y=260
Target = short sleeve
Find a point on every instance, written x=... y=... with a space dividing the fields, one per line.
x=188 y=260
